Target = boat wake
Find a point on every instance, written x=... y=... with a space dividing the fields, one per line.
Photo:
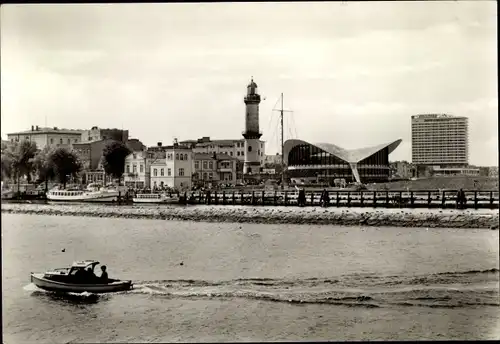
x=444 y=290
x=474 y=288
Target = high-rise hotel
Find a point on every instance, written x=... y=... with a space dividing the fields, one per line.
x=442 y=142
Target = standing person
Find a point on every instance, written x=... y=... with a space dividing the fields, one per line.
x=326 y=198
x=104 y=274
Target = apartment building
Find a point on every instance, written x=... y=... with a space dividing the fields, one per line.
x=170 y=166
x=213 y=169
x=137 y=173
x=97 y=134
x=233 y=148
x=440 y=140
x=51 y=137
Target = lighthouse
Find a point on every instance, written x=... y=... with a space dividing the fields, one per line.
x=252 y=133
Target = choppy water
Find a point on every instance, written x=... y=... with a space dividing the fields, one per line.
x=242 y=282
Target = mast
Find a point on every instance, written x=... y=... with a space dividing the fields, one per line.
x=282 y=147
x=282 y=111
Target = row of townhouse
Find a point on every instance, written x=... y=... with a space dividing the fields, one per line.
x=180 y=168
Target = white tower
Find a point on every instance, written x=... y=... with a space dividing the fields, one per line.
x=252 y=133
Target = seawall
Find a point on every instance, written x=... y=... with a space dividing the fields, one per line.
x=430 y=218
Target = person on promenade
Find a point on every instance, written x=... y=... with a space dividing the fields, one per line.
x=461 y=199
x=325 y=198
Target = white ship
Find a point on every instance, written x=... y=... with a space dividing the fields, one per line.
x=155 y=198
x=93 y=193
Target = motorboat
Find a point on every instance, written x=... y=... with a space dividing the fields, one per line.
x=66 y=280
x=155 y=198
x=93 y=193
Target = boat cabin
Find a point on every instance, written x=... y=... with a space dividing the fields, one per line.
x=82 y=265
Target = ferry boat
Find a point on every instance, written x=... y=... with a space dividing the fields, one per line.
x=155 y=198
x=68 y=280
x=93 y=193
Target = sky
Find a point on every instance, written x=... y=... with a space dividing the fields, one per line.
x=352 y=73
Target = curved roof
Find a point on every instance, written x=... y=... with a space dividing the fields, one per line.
x=348 y=155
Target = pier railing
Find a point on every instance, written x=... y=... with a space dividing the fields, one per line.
x=383 y=199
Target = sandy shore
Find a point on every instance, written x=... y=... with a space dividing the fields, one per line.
x=448 y=218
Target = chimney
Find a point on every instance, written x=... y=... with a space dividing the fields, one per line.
x=37 y=128
x=159 y=144
x=32 y=128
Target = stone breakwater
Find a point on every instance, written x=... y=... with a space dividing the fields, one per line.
x=274 y=215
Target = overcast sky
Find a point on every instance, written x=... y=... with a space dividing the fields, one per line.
x=353 y=73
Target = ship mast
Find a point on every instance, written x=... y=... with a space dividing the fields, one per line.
x=282 y=142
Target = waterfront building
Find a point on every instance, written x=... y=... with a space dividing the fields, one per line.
x=90 y=155
x=213 y=169
x=137 y=173
x=324 y=162
x=440 y=144
x=232 y=147
x=252 y=134
x=47 y=137
x=171 y=166
x=98 y=134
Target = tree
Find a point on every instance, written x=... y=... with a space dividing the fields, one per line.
x=64 y=164
x=114 y=155
x=43 y=166
x=19 y=160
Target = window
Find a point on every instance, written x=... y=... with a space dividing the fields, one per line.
x=182 y=156
x=60 y=141
x=205 y=164
x=205 y=176
x=231 y=153
x=261 y=145
x=128 y=168
x=141 y=168
x=169 y=172
x=134 y=156
x=196 y=165
x=185 y=156
x=76 y=140
x=27 y=138
x=134 y=168
x=230 y=176
x=181 y=172
x=162 y=172
x=258 y=152
x=238 y=153
x=155 y=173
x=69 y=141
x=210 y=176
x=177 y=156
x=249 y=148
x=211 y=165
x=51 y=141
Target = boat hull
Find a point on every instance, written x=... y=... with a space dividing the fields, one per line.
x=45 y=284
x=103 y=198
x=156 y=201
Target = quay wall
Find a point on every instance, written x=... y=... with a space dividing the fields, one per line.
x=428 y=218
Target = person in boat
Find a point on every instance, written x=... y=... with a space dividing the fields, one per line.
x=80 y=276
x=104 y=274
x=89 y=275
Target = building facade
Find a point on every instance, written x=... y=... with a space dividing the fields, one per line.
x=234 y=148
x=136 y=170
x=90 y=155
x=324 y=162
x=98 y=134
x=171 y=167
x=47 y=137
x=214 y=169
x=252 y=134
x=440 y=140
